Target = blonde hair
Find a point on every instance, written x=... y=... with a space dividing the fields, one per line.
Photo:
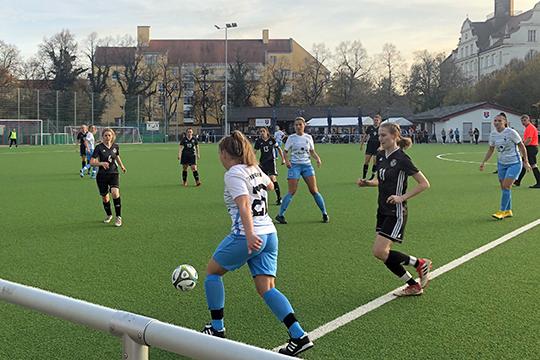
x=112 y=133
x=394 y=129
x=239 y=148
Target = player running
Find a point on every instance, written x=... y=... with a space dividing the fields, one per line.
x=89 y=145
x=253 y=240
x=82 y=148
x=106 y=156
x=393 y=169
x=373 y=144
x=188 y=153
x=507 y=142
x=301 y=146
x=268 y=145
x=279 y=135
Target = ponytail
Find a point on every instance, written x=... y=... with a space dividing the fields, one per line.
x=239 y=148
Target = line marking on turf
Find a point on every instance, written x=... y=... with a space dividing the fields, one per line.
x=442 y=157
x=380 y=301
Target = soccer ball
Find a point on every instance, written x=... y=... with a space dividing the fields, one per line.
x=184 y=277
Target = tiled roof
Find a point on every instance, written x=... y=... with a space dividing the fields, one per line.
x=443 y=113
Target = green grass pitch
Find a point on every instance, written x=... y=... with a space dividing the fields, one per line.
x=51 y=237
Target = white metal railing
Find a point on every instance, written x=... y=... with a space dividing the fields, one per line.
x=137 y=332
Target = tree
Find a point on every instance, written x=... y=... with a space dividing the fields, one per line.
x=170 y=88
x=203 y=94
x=10 y=61
x=391 y=69
x=312 y=77
x=275 y=80
x=242 y=82
x=98 y=87
x=424 y=82
x=352 y=70
x=60 y=53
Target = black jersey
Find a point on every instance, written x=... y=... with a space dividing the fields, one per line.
x=392 y=173
x=105 y=154
x=373 y=134
x=189 y=145
x=81 y=136
x=267 y=148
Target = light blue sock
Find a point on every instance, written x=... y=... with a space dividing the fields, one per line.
x=215 y=297
x=281 y=307
x=506 y=200
x=320 y=202
x=285 y=204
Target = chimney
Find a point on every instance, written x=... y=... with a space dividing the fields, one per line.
x=504 y=8
x=143 y=36
x=265 y=36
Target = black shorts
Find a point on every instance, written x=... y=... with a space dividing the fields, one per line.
x=106 y=182
x=269 y=168
x=391 y=227
x=372 y=148
x=188 y=159
x=532 y=151
x=82 y=150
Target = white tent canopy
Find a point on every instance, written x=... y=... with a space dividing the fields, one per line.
x=401 y=121
x=340 y=121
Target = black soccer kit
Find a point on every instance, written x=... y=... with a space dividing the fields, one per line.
x=267 y=160
x=188 y=151
x=373 y=143
x=107 y=178
x=82 y=148
x=392 y=173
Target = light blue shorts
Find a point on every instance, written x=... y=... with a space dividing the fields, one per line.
x=300 y=170
x=509 y=171
x=89 y=155
x=232 y=253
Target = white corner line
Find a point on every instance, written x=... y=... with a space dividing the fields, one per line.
x=380 y=301
x=442 y=157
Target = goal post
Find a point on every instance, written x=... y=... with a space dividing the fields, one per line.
x=29 y=131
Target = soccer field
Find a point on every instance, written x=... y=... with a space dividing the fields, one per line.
x=52 y=237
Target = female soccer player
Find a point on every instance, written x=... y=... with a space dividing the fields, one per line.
x=301 y=146
x=530 y=140
x=81 y=135
x=372 y=135
x=107 y=157
x=188 y=153
x=89 y=145
x=253 y=240
x=393 y=168
x=507 y=141
x=268 y=147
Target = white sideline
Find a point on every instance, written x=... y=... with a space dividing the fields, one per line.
x=380 y=301
x=442 y=157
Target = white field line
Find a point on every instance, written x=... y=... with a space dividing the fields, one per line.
x=442 y=157
x=380 y=301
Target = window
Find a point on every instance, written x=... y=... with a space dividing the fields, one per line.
x=115 y=75
x=150 y=59
x=532 y=35
x=492 y=59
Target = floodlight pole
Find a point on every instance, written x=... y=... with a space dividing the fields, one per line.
x=226 y=117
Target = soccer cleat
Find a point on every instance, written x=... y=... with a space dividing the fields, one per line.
x=499 y=215
x=517 y=183
x=81 y=173
x=423 y=269
x=508 y=213
x=118 y=221
x=325 y=218
x=108 y=219
x=410 y=290
x=184 y=183
x=209 y=330
x=296 y=346
x=535 y=186
x=278 y=202
x=281 y=219
x=198 y=183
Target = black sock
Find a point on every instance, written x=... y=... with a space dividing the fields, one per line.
x=372 y=170
x=196 y=175
x=521 y=175
x=83 y=163
x=366 y=167
x=536 y=173
x=395 y=262
x=117 y=207
x=184 y=175
x=276 y=188
x=107 y=207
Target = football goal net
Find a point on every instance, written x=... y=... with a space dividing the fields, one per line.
x=28 y=131
x=124 y=134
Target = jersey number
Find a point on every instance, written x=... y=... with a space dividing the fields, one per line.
x=381 y=174
x=259 y=207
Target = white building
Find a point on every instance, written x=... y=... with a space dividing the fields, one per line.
x=487 y=46
x=465 y=117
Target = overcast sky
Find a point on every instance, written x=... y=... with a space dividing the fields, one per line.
x=409 y=24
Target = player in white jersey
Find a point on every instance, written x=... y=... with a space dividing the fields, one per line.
x=253 y=240
x=511 y=150
x=301 y=148
x=279 y=135
x=90 y=145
